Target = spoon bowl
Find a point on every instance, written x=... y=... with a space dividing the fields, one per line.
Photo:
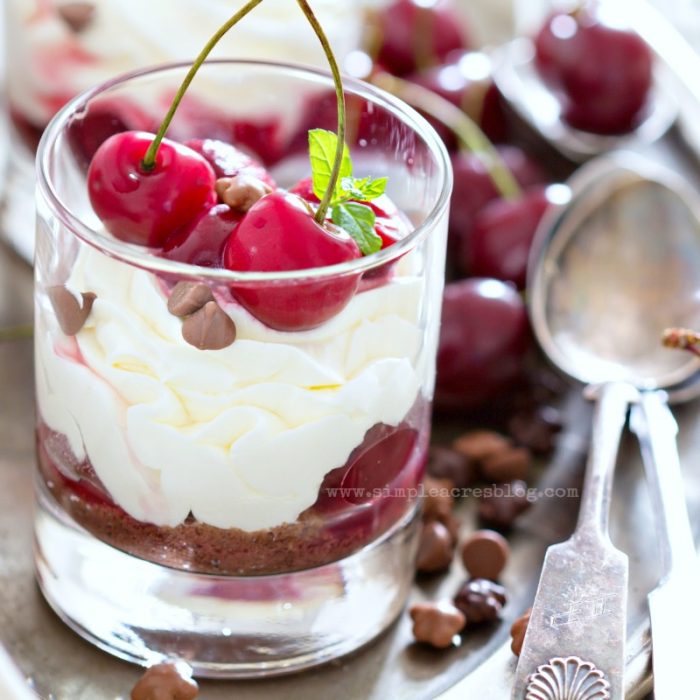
x=613 y=269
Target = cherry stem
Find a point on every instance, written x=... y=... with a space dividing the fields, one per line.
x=340 y=99
x=149 y=159
x=682 y=339
x=470 y=136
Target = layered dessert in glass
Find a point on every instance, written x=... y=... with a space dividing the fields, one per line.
x=58 y=48
x=232 y=427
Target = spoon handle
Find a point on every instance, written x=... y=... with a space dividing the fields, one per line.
x=673 y=605
x=578 y=623
x=657 y=429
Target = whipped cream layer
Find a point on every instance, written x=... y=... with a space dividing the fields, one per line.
x=240 y=437
x=51 y=62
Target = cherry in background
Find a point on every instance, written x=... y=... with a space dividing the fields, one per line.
x=262 y=243
x=465 y=81
x=474 y=188
x=484 y=340
x=416 y=33
x=501 y=238
x=602 y=74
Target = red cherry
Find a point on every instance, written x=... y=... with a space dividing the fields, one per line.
x=465 y=81
x=603 y=74
x=474 y=188
x=89 y=129
x=202 y=243
x=147 y=207
x=484 y=338
x=499 y=244
x=228 y=161
x=409 y=28
x=280 y=233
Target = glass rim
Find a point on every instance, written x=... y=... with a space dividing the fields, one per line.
x=137 y=257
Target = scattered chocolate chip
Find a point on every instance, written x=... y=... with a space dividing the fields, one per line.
x=77 y=15
x=210 y=328
x=502 y=504
x=480 y=600
x=70 y=312
x=510 y=464
x=536 y=429
x=446 y=463
x=241 y=191
x=188 y=297
x=165 y=682
x=485 y=554
x=518 y=630
x=436 y=623
x=435 y=549
x=478 y=445
x=452 y=524
x=437 y=500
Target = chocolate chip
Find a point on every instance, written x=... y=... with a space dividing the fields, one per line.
x=437 y=500
x=77 y=15
x=510 y=464
x=536 y=429
x=445 y=463
x=188 y=297
x=241 y=191
x=478 y=445
x=485 y=554
x=70 y=312
x=165 y=682
x=480 y=600
x=518 y=630
x=435 y=548
x=210 y=328
x=503 y=503
x=436 y=623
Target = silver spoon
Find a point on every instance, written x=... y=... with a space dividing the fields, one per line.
x=609 y=272
x=519 y=82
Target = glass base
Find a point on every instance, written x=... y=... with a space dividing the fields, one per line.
x=223 y=626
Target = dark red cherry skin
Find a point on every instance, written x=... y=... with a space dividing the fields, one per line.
x=484 y=338
x=500 y=241
x=474 y=188
x=603 y=74
x=408 y=27
x=202 y=243
x=465 y=81
x=147 y=207
x=228 y=161
x=278 y=234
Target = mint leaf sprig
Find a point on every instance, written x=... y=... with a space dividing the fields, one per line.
x=346 y=208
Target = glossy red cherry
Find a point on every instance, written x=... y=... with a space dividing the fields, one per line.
x=474 y=188
x=279 y=233
x=465 y=81
x=603 y=74
x=89 y=129
x=484 y=338
x=500 y=242
x=412 y=30
x=228 y=161
x=148 y=206
x=202 y=243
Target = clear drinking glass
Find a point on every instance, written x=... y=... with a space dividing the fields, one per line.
x=252 y=509
x=57 y=49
